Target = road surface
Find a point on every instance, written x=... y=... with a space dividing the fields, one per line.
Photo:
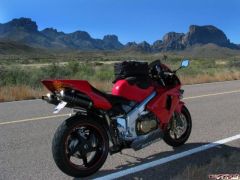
x=27 y=128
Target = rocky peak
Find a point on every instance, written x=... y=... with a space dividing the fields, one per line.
x=80 y=35
x=110 y=38
x=111 y=42
x=51 y=32
x=141 y=47
x=157 y=42
x=196 y=35
x=131 y=44
x=171 y=36
x=204 y=35
x=157 y=45
x=144 y=46
x=23 y=24
x=173 y=41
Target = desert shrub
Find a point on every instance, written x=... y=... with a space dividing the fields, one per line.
x=235 y=63
x=84 y=71
x=73 y=67
x=13 y=75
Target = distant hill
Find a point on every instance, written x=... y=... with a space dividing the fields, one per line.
x=207 y=51
x=18 y=48
x=25 y=31
x=195 y=37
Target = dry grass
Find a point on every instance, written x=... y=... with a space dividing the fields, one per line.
x=206 y=78
x=218 y=165
x=15 y=93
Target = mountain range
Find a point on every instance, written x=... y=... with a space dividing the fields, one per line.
x=25 y=31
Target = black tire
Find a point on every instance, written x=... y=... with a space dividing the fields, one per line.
x=184 y=137
x=60 y=147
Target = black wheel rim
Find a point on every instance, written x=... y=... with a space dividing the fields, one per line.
x=84 y=146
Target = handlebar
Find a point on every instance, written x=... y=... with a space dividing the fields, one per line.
x=161 y=72
x=168 y=73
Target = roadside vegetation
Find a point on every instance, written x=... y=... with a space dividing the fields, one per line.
x=21 y=75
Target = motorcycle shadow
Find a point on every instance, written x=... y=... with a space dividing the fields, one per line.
x=172 y=168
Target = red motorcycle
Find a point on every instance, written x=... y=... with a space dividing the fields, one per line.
x=144 y=106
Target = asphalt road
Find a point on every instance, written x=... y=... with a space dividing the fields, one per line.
x=27 y=128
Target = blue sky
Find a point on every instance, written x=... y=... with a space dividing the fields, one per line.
x=131 y=20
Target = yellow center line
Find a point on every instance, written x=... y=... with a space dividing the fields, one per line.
x=64 y=115
x=34 y=119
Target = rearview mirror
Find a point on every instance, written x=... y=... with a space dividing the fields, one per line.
x=185 y=63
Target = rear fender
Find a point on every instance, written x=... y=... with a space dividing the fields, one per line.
x=58 y=84
x=82 y=86
x=101 y=120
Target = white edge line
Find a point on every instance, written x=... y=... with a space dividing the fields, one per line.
x=167 y=159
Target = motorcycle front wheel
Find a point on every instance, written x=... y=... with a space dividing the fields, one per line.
x=80 y=146
x=179 y=128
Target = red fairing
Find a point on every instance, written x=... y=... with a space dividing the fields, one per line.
x=158 y=104
x=131 y=92
x=82 y=86
x=179 y=106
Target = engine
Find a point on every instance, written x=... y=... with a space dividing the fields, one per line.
x=137 y=121
x=146 y=123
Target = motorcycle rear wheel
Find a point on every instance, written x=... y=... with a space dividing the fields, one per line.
x=173 y=140
x=80 y=146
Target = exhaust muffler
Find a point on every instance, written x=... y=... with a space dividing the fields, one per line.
x=75 y=99
x=51 y=99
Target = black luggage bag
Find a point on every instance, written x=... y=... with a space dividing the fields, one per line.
x=127 y=69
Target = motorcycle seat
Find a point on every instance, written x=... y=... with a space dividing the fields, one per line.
x=113 y=99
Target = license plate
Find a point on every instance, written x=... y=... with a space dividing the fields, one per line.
x=59 y=107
